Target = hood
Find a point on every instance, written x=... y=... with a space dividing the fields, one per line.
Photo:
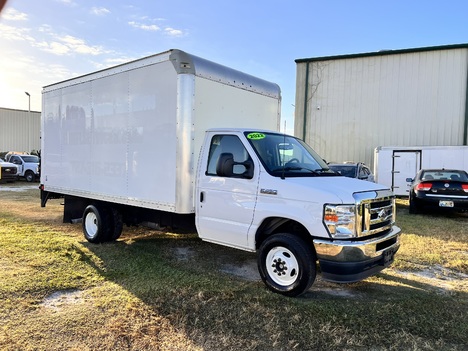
x=326 y=189
x=7 y=164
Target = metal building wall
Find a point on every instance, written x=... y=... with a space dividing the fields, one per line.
x=355 y=103
x=20 y=130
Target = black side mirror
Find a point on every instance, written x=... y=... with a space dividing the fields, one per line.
x=225 y=167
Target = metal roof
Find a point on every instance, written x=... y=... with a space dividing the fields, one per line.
x=384 y=53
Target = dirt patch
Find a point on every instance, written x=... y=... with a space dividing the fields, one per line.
x=61 y=299
x=247 y=270
x=18 y=188
x=442 y=279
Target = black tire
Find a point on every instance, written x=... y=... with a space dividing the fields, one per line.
x=117 y=224
x=97 y=223
x=30 y=176
x=287 y=265
x=414 y=208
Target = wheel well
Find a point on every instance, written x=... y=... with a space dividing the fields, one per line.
x=275 y=225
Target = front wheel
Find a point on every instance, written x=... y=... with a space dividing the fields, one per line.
x=287 y=264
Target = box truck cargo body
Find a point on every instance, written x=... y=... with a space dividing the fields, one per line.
x=179 y=141
x=394 y=164
x=132 y=133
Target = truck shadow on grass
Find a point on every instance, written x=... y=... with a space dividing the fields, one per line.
x=214 y=295
x=153 y=258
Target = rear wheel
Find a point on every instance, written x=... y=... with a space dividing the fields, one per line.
x=97 y=223
x=287 y=264
x=414 y=208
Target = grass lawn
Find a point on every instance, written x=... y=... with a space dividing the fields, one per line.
x=154 y=290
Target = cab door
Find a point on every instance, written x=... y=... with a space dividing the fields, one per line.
x=226 y=203
x=19 y=163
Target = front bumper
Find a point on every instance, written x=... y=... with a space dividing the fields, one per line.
x=350 y=261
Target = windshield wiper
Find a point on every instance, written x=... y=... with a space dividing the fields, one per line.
x=295 y=168
x=327 y=170
x=318 y=171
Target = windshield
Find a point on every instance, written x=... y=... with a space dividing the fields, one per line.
x=30 y=159
x=284 y=155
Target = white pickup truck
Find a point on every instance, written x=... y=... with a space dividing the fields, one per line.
x=28 y=166
x=218 y=166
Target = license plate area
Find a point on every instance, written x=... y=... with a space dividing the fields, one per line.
x=388 y=257
x=444 y=203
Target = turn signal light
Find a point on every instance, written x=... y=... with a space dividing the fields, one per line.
x=465 y=188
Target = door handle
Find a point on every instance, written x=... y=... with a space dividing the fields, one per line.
x=202 y=196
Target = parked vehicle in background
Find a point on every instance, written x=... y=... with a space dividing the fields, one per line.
x=356 y=170
x=438 y=188
x=9 y=172
x=28 y=166
x=394 y=164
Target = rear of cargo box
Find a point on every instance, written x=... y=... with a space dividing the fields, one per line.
x=131 y=134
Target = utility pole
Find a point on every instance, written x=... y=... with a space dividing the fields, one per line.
x=29 y=121
x=29 y=101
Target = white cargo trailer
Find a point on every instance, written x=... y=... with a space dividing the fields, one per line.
x=394 y=164
x=180 y=141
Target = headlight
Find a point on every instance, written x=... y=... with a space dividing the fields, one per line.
x=340 y=221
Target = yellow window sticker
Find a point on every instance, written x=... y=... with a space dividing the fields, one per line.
x=256 y=136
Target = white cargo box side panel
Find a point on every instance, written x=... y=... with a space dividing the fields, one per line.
x=113 y=137
x=223 y=106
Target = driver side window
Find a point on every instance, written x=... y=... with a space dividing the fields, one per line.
x=231 y=144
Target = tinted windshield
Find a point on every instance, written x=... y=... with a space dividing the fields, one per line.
x=285 y=155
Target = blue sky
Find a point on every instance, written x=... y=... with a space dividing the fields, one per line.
x=43 y=42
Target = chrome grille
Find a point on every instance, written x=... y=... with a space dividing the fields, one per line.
x=8 y=171
x=375 y=212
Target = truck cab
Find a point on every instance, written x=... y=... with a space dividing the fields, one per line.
x=269 y=192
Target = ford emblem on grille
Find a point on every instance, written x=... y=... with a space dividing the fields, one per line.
x=446 y=185
x=382 y=214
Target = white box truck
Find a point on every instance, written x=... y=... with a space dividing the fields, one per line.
x=394 y=164
x=180 y=141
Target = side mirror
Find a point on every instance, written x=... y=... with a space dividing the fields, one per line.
x=226 y=164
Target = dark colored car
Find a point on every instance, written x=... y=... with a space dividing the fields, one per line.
x=439 y=188
x=353 y=170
